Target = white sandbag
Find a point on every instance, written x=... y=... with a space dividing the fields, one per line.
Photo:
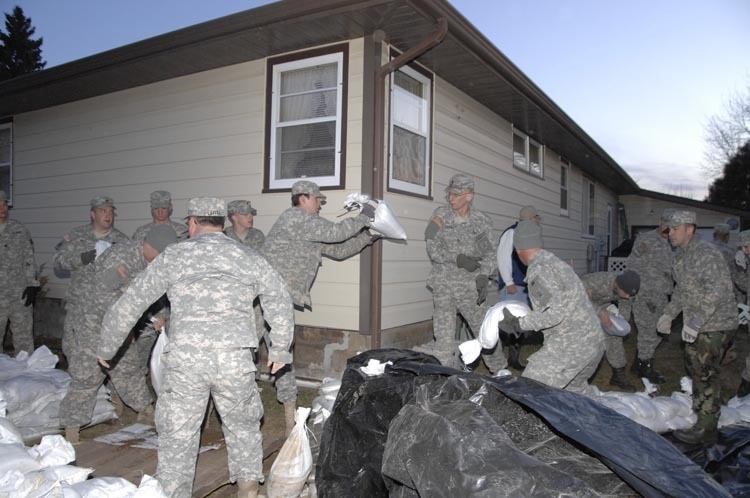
x=149 y=488
x=9 y=434
x=15 y=457
x=102 y=487
x=42 y=359
x=488 y=333
x=67 y=474
x=157 y=369
x=293 y=465
x=385 y=221
x=53 y=450
x=470 y=351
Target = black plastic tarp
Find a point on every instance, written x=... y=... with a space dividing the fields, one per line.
x=422 y=430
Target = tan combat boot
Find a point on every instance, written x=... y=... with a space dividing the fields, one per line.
x=146 y=416
x=247 y=489
x=290 y=410
x=72 y=434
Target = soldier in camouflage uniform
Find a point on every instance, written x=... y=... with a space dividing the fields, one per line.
x=20 y=286
x=75 y=253
x=114 y=270
x=241 y=215
x=742 y=258
x=458 y=244
x=703 y=293
x=211 y=282
x=721 y=241
x=651 y=258
x=161 y=213
x=295 y=246
x=605 y=288
x=562 y=311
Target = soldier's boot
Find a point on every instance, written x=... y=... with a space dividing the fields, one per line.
x=72 y=434
x=646 y=369
x=247 y=489
x=146 y=416
x=290 y=410
x=744 y=389
x=620 y=379
x=117 y=404
x=704 y=432
x=514 y=357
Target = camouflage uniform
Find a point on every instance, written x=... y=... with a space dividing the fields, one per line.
x=573 y=336
x=703 y=293
x=211 y=282
x=294 y=247
x=140 y=232
x=126 y=374
x=736 y=275
x=454 y=289
x=160 y=199
x=651 y=257
x=18 y=268
x=743 y=282
x=599 y=286
x=80 y=289
x=253 y=238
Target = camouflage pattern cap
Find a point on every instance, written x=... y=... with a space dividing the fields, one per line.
x=207 y=206
x=160 y=199
x=99 y=201
x=527 y=235
x=680 y=217
x=308 y=188
x=460 y=183
x=721 y=229
x=745 y=237
x=3 y=196
x=241 y=207
x=667 y=214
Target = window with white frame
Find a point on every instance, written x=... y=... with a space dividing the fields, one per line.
x=410 y=132
x=6 y=158
x=528 y=154
x=588 y=210
x=306 y=122
x=564 y=174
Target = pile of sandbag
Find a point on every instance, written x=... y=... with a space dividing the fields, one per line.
x=31 y=390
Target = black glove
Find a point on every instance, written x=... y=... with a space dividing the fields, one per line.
x=468 y=263
x=510 y=324
x=29 y=294
x=88 y=257
x=482 y=282
x=368 y=210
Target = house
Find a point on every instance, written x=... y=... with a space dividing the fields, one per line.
x=386 y=97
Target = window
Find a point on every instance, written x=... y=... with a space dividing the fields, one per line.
x=305 y=128
x=589 y=207
x=410 y=132
x=6 y=159
x=564 y=171
x=528 y=154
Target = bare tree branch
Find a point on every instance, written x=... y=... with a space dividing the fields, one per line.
x=725 y=134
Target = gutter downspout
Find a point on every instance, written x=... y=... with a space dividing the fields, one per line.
x=378 y=140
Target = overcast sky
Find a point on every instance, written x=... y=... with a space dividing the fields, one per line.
x=641 y=77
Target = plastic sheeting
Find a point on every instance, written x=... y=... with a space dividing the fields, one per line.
x=422 y=429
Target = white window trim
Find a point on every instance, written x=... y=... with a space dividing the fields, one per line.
x=9 y=126
x=586 y=215
x=565 y=166
x=323 y=181
x=393 y=183
x=528 y=142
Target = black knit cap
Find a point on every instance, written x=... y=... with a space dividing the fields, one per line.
x=629 y=281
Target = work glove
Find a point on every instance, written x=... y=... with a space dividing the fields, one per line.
x=510 y=325
x=664 y=325
x=29 y=294
x=739 y=258
x=368 y=210
x=88 y=257
x=482 y=282
x=468 y=263
x=690 y=330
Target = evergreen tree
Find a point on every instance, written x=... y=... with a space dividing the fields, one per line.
x=732 y=188
x=19 y=53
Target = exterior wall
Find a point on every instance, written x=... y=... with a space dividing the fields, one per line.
x=198 y=135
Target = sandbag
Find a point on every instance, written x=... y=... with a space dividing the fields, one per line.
x=488 y=333
x=157 y=368
x=293 y=465
x=385 y=221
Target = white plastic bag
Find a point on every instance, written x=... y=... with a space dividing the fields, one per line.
x=157 y=369
x=385 y=221
x=290 y=470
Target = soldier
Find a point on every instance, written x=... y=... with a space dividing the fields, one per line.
x=114 y=270
x=20 y=286
x=605 y=288
x=295 y=246
x=211 y=282
x=511 y=274
x=241 y=215
x=651 y=258
x=721 y=241
x=743 y=258
x=161 y=212
x=75 y=253
x=703 y=293
x=562 y=311
x=462 y=256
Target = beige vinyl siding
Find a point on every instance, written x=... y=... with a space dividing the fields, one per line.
x=198 y=135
